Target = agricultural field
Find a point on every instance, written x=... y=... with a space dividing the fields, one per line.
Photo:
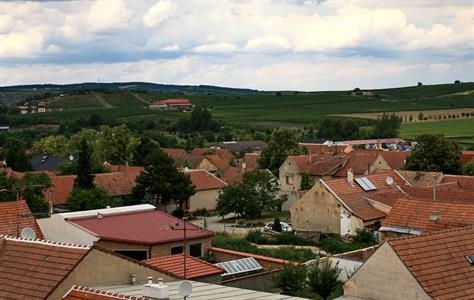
x=74 y=101
x=414 y=116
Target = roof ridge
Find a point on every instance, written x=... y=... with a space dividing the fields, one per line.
x=45 y=242
x=431 y=233
x=95 y=291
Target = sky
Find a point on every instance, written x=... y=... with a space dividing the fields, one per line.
x=266 y=45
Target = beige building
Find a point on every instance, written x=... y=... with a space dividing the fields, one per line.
x=35 y=269
x=341 y=206
x=433 y=266
x=208 y=188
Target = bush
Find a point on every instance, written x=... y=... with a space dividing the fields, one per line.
x=364 y=236
x=178 y=213
x=202 y=212
x=256 y=237
x=290 y=280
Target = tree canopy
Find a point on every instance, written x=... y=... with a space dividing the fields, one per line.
x=15 y=156
x=84 y=178
x=257 y=192
x=283 y=142
x=161 y=181
x=86 y=199
x=435 y=153
x=388 y=126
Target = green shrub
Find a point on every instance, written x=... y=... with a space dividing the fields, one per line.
x=364 y=236
x=290 y=280
x=256 y=237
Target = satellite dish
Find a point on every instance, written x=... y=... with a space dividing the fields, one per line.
x=389 y=180
x=185 y=288
x=28 y=233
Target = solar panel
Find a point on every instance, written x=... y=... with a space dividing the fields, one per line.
x=365 y=184
x=238 y=266
x=470 y=259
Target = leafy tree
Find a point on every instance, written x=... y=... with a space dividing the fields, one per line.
x=435 y=153
x=387 y=126
x=145 y=147
x=34 y=186
x=290 y=280
x=350 y=129
x=84 y=178
x=364 y=236
x=419 y=84
x=283 y=142
x=116 y=144
x=162 y=181
x=200 y=120
x=51 y=145
x=469 y=168
x=15 y=156
x=258 y=191
x=420 y=116
x=86 y=199
x=31 y=187
x=276 y=225
x=323 y=279
x=306 y=182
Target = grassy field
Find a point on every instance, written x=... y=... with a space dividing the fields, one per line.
x=453 y=128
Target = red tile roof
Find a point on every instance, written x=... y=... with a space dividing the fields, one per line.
x=355 y=198
x=33 y=269
x=203 y=180
x=251 y=161
x=438 y=262
x=412 y=213
x=13 y=213
x=462 y=182
x=359 y=161
x=467 y=156
x=84 y=293
x=218 y=162
x=223 y=153
x=174 y=265
x=145 y=228
x=442 y=194
x=60 y=189
x=325 y=149
x=173 y=102
x=395 y=159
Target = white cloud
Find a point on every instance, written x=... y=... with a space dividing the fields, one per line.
x=21 y=44
x=159 y=13
x=268 y=43
x=171 y=48
x=106 y=15
x=216 y=47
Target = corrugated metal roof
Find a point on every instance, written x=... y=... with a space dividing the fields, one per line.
x=202 y=291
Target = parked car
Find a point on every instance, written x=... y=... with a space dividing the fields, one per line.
x=285 y=227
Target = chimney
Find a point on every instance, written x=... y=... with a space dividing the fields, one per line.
x=435 y=216
x=350 y=177
x=434 y=187
x=309 y=155
x=99 y=215
x=155 y=291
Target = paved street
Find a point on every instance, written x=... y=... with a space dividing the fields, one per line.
x=214 y=224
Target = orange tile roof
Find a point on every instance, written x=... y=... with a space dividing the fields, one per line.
x=355 y=198
x=61 y=187
x=174 y=265
x=413 y=213
x=395 y=159
x=442 y=194
x=33 y=269
x=13 y=213
x=218 y=162
x=223 y=153
x=203 y=180
x=438 y=262
x=462 y=182
x=324 y=149
x=467 y=156
x=84 y=293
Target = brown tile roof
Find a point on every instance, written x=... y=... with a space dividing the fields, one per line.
x=453 y=195
x=115 y=184
x=174 y=151
x=438 y=262
x=251 y=161
x=387 y=198
x=84 y=293
x=355 y=198
x=223 y=153
x=31 y=269
x=13 y=213
x=320 y=164
x=174 y=265
x=183 y=161
x=462 y=182
x=395 y=159
x=233 y=175
x=325 y=149
x=359 y=161
x=218 y=162
x=412 y=213
x=203 y=180
x=421 y=179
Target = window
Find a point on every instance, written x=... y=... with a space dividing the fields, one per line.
x=195 y=250
x=289 y=179
x=135 y=254
x=176 y=250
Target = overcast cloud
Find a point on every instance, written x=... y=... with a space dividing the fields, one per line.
x=304 y=45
